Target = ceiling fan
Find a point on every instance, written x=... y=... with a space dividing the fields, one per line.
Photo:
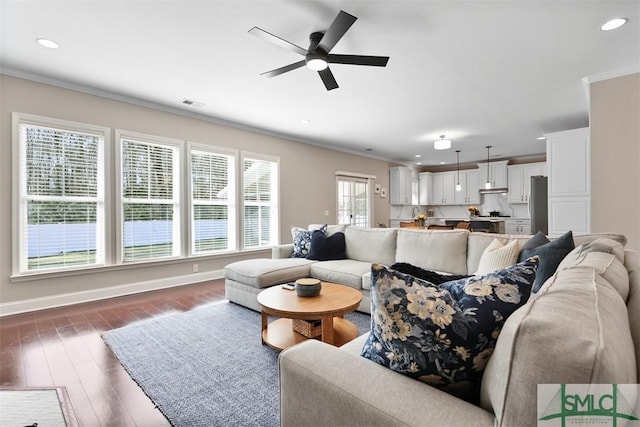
x=318 y=56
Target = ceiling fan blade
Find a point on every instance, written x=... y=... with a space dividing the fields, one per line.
x=375 y=61
x=265 y=35
x=327 y=78
x=336 y=30
x=284 y=69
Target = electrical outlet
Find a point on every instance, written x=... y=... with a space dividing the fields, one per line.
x=195 y=268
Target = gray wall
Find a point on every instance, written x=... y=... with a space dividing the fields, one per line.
x=307 y=186
x=615 y=157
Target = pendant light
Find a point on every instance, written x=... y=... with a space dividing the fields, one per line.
x=487 y=184
x=458 y=186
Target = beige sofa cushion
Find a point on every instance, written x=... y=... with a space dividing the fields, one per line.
x=575 y=330
x=265 y=272
x=344 y=271
x=371 y=244
x=478 y=242
x=439 y=250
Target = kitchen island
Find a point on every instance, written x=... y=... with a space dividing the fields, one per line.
x=486 y=224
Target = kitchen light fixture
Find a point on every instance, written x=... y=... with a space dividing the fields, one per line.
x=458 y=186
x=441 y=144
x=613 y=24
x=50 y=44
x=487 y=185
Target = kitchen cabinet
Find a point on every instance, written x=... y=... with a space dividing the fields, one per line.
x=497 y=174
x=470 y=183
x=425 y=186
x=517 y=226
x=403 y=186
x=569 y=197
x=520 y=180
x=444 y=187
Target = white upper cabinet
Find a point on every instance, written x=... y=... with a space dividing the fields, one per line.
x=520 y=180
x=444 y=188
x=497 y=174
x=470 y=183
x=403 y=187
x=425 y=185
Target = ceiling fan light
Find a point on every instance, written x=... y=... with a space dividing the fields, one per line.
x=317 y=64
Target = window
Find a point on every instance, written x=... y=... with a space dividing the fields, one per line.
x=353 y=201
x=260 y=198
x=149 y=197
x=213 y=196
x=60 y=211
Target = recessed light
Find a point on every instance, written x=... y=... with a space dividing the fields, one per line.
x=305 y=121
x=613 y=24
x=418 y=163
x=418 y=156
x=443 y=163
x=541 y=138
x=50 y=44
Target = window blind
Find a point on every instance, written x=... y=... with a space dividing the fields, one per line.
x=260 y=196
x=150 y=200
x=212 y=198
x=61 y=197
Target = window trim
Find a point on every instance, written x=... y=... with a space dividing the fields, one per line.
x=19 y=180
x=178 y=189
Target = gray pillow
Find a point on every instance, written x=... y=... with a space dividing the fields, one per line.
x=538 y=240
x=551 y=254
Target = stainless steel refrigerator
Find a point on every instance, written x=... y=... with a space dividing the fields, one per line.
x=538 y=206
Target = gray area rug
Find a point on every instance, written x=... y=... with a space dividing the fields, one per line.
x=206 y=367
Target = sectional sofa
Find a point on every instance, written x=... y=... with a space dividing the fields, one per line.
x=582 y=327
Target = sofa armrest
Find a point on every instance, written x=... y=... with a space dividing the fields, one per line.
x=323 y=385
x=282 y=251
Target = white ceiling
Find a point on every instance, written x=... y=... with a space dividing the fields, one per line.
x=498 y=73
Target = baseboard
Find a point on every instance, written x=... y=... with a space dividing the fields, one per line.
x=61 y=300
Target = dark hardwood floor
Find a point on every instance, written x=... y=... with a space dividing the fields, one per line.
x=63 y=347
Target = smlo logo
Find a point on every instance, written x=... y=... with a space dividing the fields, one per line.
x=588 y=404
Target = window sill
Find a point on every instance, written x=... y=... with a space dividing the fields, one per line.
x=43 y=275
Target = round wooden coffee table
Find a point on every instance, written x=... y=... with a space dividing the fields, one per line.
x=333 y=302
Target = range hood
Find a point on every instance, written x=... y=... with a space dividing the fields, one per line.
x=496 y=190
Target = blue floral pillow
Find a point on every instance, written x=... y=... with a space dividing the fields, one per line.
x=302 y=240
x=443 y=334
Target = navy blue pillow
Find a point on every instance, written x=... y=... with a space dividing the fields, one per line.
x=326 y=248
x=550 y=254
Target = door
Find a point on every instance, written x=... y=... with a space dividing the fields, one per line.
x=353 y=201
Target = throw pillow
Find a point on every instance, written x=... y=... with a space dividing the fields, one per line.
x=325 y=248
x=497 y=256
x=302 y=240
x=538 y=239
x=442 y=335
x=550 y=254
x=428 y=275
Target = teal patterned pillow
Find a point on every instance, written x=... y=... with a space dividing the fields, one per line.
x=443 y=334
x=302 y=240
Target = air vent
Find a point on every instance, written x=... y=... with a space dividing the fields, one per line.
x=191 y=103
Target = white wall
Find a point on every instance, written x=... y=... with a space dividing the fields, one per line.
x=307 y=176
